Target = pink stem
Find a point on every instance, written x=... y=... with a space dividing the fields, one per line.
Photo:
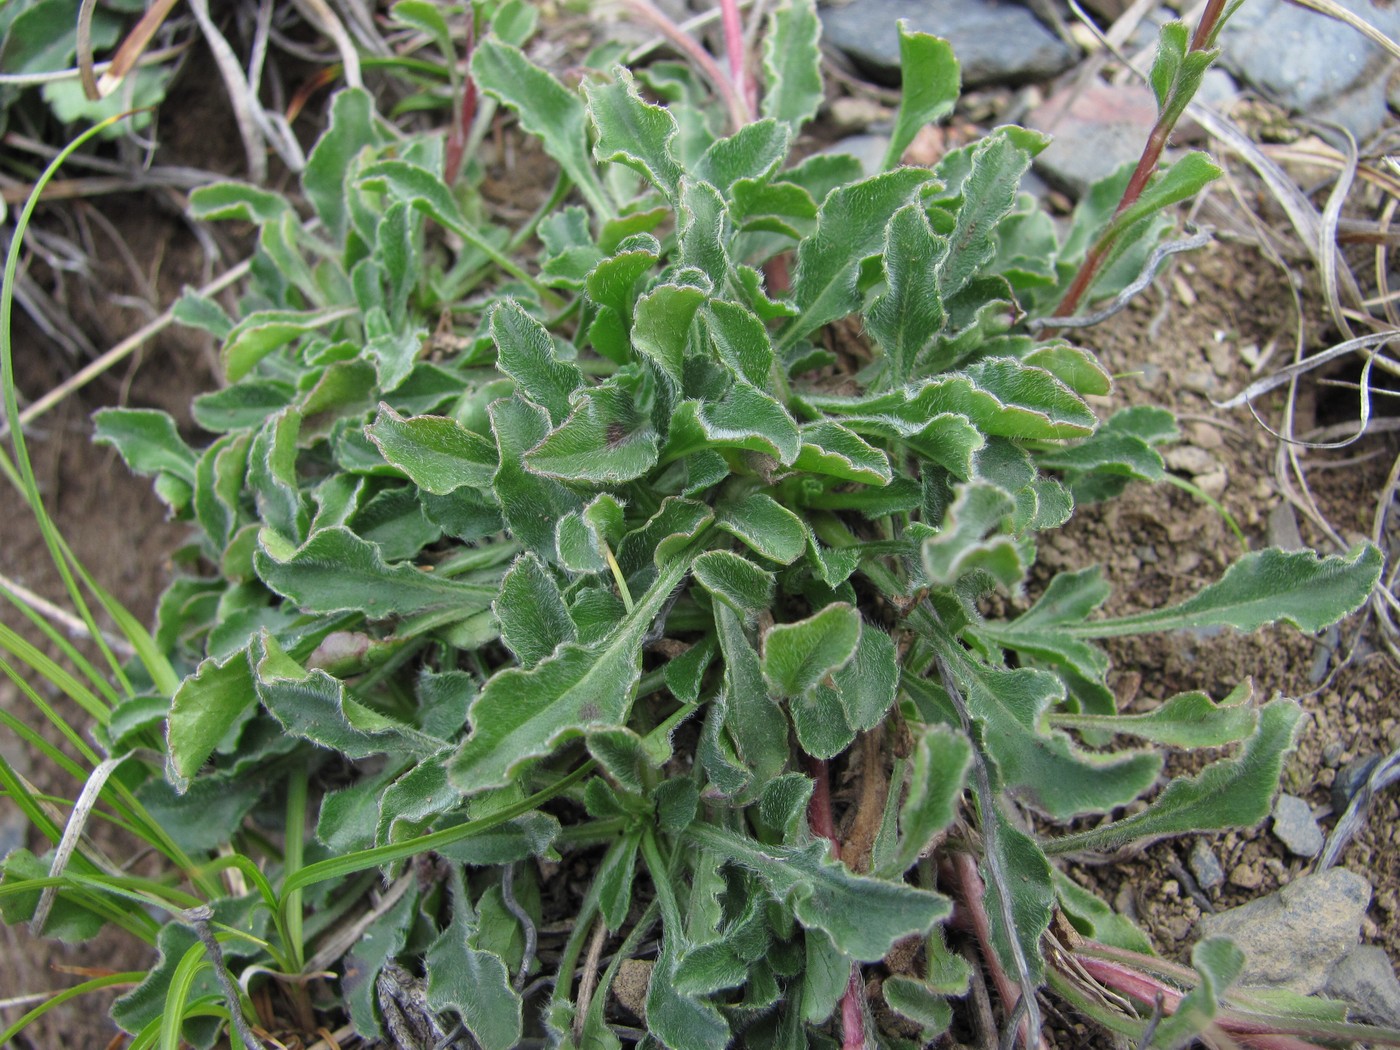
x=734 y=48
x=682 y=41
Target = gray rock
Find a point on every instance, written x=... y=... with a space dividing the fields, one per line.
x=1292 y=938
x=1295 y=827
x=1205 y=865
x=1094 y=132
x=1366 y=980
x=995 y=42
x=1312 y=64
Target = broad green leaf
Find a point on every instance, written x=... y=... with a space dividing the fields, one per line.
x=206 y=815
x=907 y=315
x=524 y=714
x=474 y=984
x=797 y=656
x=616 y=872
x=792 y=64
x=263 y=331
x=766 y=526
x=209 y=703
x=530 y=504
x=836 y=451
x=679 y=1021
x=941 y=761
x=534 y=621
x=241 y=406
x=316 y=707
x=1075 y=367
x=144 y=1005
x=741 y=341
x=868 y=684
x=1108 y=452
x=1234 y=792
x=605 y=440
x=1268 y=586
x=425 y=16
x=525 y=352
x=863 y=916
x=438 y=454
x=823 y=730
x=1095 y=919
x=662 y=327
x=850 y=226
x=753 y=152
x=931 y=81
x=703 y=231
x=916 y=1001
x=613 y=280
x=989 y=193
x=972 y=538
x=667 y=534
x=755 y=722
x=736 y=581
x=1181 y=181
x=336 y=571
x=633 y=132
x=147 y=441
x=546 y=109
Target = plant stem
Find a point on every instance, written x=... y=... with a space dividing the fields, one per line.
x=1142 y=174
x=682 y=41
x=734 y=49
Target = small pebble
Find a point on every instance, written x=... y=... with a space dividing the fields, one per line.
x=1246 y=876
x=1205 y=865
x=1188 y=459
x=1295 y=826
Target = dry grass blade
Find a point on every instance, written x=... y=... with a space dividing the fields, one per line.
x=319 y=14
x=1332 y=9
x=72 y=832
x=1331 y=215
x=84 y=48
x=239 y=96
x=1361 y=343
x=70 y=623
x=134 y=46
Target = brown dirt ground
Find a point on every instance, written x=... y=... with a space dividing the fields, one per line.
x=1172 y=348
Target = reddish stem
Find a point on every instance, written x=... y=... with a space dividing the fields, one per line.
x=822 y=822
x=463 y=115
x=1146 y=166
x=734 y=49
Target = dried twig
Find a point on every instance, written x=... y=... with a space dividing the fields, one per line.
x=199 y=919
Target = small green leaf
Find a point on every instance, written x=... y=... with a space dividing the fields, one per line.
x=324 y=181
x=605 y=440
x=1268 y=586
x=972 y=538
x=941 y=762
x=989 y=193
x=474 y=984
x=798 y=656
x=662 y=327
x=438 y=454
x=864 y=916
x=237 y=201
x=336 y=571
x=263 y=331
x=242 y=406
x=616 y=872
x=530 y=504
x=736 y=581
x=755 y=723
x=207 y=705
x=836 y=451
x=916 y=1001
x=1217 y=962
x=792 y=64
x=534 y=621
x=905 y=318
x=931 y=81
x=147 y=440
x=753 y=152
x=766 y=526
x=1187 y=720
x=525 y=352
x=745 y=418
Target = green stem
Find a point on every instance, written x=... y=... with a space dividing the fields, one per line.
x=293 y=854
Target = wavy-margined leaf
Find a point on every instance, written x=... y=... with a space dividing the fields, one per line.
x=1263 y=587
x=836 y=451
x=530 y=504
x=741 y=341
x=972 y=538
x=753 y=152
x=205 y=707
x=546 y=110
x=242 y=202
x=605 y=440
x=744 y=418
x=437 y=453
x=736 y=581
x=755 y=722
x=907 y=315
x=1217 y=962
x=524 y=714
x=919 y=1003
x=534 y=620
x=703 y=231
x=337 y=571
x=820 y=722
x=797 y=656
x=792 y=64
x=680 y=1021
x=930 y=82
x=766 y=526
x=316 y=707
x=661 y=330
x=1188 y=720
x=1028 y=880
x=1233 y=792
x=941 y=761
x=147 y=441
x=613 y=280
x=989 y=193
x=525 y=352
x=1009 y=707
x=863 y=916
x=473 y=983
x=352 y=126
x=850 y=226
x=633 y=132
x=263 y=331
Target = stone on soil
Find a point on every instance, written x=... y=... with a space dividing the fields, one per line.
x=1205 y=866
x=995 y=43
x=1295 y=826
x=1095 y=131
x=1312 y=64
x=1366 y=981
x=1292 y=938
